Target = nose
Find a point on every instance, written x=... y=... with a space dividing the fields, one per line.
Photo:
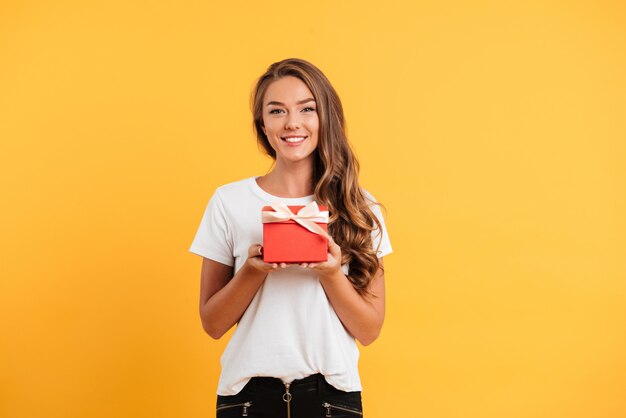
x=292 y=122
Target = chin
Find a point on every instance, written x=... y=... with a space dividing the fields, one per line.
x=297 y=159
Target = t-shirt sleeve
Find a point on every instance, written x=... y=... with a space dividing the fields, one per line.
x=214 y=239
x=379 y=236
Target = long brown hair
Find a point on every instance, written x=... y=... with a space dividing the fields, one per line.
x=335 y=170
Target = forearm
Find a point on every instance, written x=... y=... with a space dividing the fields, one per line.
x=361 y=317
x=226 y=307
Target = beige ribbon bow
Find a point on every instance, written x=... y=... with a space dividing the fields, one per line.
x=307 y=216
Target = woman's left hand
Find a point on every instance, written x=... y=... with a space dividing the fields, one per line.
x=332 y=265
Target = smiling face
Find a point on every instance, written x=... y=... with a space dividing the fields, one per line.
x=290 y=120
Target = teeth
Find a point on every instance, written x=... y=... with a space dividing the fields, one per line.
x=295 y=139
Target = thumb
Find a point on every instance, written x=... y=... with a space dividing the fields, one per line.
x=332 y=245
x=255 y=250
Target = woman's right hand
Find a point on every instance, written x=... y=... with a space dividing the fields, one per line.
x=255 y=260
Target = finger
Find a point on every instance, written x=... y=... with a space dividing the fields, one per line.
x=283 y=265
x=334 y=250
x=274 y=265
x=333 y=247
x=255 y=250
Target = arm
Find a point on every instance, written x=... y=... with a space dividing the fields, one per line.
x=224 y=297
x=362 y=316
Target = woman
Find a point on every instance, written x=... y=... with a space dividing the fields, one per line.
x=294 y=351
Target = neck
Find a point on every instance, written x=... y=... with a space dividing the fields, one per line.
x=289 y=180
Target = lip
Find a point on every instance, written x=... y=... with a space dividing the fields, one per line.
x=294 y=144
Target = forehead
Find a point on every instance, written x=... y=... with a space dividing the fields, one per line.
x=286 y=90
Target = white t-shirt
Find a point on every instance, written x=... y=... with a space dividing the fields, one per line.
x=290 y=330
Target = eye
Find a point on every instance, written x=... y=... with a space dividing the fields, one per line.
x=275 y=111
x=309 y=109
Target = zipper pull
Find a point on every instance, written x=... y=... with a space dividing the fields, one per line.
x=287 y=395
x=327 y=406
x=287 y=398
x=245 y=409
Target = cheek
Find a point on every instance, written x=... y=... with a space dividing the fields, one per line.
x=272 y=126
x=315 y=125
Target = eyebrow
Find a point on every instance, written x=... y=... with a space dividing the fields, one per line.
x=310 y=99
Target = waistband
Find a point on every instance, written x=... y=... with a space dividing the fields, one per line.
x=313 y=382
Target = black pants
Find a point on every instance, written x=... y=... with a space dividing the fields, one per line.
x=311 y=397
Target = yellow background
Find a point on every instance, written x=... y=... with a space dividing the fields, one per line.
x=494 y=133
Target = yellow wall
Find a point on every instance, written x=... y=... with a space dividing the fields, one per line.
x=494 y=133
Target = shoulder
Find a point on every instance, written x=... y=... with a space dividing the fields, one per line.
x=372 y=203
x=368 y=195
x=236 y=186
x=235 y=190
x=370 y=200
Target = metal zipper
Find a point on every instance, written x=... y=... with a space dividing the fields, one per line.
x=244 y=412
x=329 y=407
x=287 y=398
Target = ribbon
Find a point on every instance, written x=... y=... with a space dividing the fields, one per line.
x=307 y=216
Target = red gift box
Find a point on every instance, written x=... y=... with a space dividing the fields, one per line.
x=287 y=241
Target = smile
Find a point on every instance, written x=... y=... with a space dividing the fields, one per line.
x=294 y=139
